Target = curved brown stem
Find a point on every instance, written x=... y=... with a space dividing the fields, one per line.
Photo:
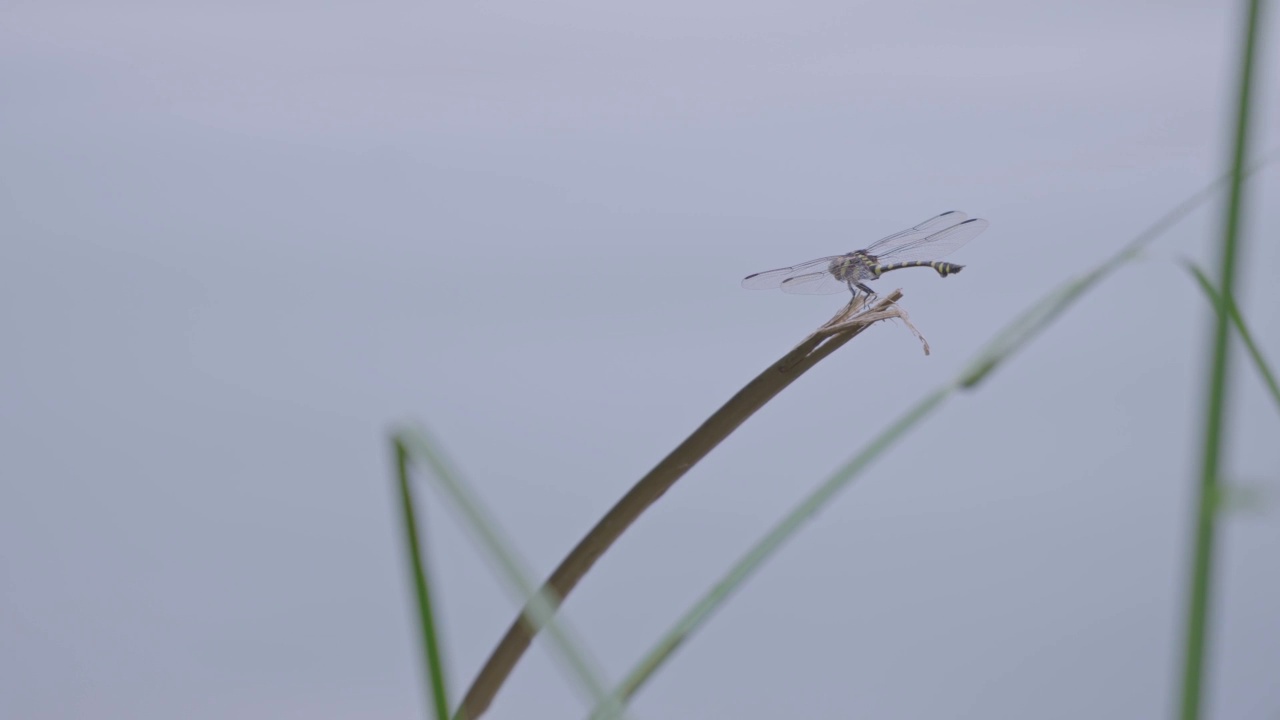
x=842 y=328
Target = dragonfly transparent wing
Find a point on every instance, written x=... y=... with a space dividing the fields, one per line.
x=814 y=283
x=930 y=240
x=931 y=247
x=770 y=279
x=935 y=224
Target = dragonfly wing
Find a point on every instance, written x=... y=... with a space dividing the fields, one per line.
x=814 y=283
x=935 y=224
x=770 y=279
x=937 y=245
x=942 y=220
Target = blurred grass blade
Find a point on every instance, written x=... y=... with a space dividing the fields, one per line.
x=539 y=607
x=781 y=532
x=1041 y=314
x=426 y=617
x=1014 y=337
x=1237 y=319
x=1028 y=325
x=1200 y=582
x=1038 y=317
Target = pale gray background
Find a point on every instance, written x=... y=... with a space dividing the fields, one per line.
x=239 y=241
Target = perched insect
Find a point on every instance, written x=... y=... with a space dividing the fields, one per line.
x=920 y=246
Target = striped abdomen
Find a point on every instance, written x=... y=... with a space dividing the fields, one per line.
x=944 y=268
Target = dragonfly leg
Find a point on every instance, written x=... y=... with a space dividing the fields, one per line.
x=870 y=293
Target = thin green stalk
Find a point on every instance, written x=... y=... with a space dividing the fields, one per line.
x=1216 y=395
x=770 y=543
x=430 y=639
x=1259 y=362
x=539 y=604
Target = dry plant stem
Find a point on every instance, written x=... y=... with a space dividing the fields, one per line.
x=894 y=313
x=846 y=325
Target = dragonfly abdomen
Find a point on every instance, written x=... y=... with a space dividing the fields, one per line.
x=944 y=268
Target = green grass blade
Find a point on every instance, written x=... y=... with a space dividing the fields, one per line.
x=1259 y=362
x=539 y=606
x=781 y=532
x=1039 y=315
x=1201 y=578
x=1014 y=337
x=430 y=638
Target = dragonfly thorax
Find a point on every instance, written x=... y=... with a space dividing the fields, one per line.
x=854 y=267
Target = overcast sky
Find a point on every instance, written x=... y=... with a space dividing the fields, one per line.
x=238 y=241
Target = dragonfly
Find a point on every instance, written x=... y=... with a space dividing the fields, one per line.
x=918 y=246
